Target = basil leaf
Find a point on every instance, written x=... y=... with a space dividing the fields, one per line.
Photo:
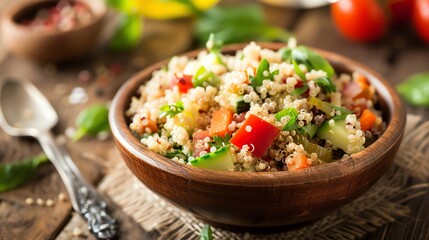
x=325 y=84
x=172 y=109
x=206 y=234
x=233 y=24
x=299 y=91
x=415 y=89
x=128 y=33
x=15 y=174
x=264 y=66
x=312 y=60
x=92 y=120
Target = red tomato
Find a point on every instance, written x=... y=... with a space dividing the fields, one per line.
x=255 y=133
x=359 y=20
x=400 y=11
x=421 y=19
x=184 y=83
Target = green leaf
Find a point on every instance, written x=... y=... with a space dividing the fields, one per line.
x=312 y=60
x=206 y=234
x=189 y=4
x=92 y=120
x=325 y=84
x=177 y=153
x=122 y=6
x=264 y=67
x=415 y=89
x=15 y=174
x=220 y=142
x=172 y=109
x=293 y=115
x=298 y=70
x=128 y=34
x=286 y=54
x=233 y=24
x=299 y=91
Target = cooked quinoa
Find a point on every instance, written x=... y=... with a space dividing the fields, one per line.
x=294 y=108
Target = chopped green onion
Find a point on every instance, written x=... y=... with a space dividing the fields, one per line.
x=293 y=115
x=203 y=78
x=323 y=154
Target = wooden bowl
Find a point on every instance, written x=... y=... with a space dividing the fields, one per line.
x=253 y=201
x=50 y=46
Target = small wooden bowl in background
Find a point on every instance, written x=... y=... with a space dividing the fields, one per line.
x=254 y=201
x=53 y=46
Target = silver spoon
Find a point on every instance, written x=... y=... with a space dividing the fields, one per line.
x=24 y=111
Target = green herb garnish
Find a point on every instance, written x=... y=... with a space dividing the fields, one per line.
x=92 y=120
x=415 y=89
x=292 y=113
x=177 y=153
x=344 y=112
x=203 y=78
x=262 y=73
x=233 y=24
x=325 y=84
x=312 y=60
x=220 y=142
x=171 y=110
x=206 y=233
x=309 y=129
x=15 y=174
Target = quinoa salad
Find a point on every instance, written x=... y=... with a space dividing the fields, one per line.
x=257 y=110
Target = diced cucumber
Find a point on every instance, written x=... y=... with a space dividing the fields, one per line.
x=239 y=104
x=222 y=160
x=338 y=135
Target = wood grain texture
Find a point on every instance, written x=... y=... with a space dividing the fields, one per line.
x=233 y=199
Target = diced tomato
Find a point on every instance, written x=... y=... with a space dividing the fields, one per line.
x=297 y=162
x=184 y=83
x=257 y=133
x=220 y=122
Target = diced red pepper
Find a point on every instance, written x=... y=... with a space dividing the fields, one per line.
x=184 y=83
x=257 y=133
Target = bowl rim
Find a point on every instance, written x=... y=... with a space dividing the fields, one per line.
x=320 y=173
x=15 y=8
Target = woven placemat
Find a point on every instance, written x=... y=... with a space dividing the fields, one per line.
x=383 y=203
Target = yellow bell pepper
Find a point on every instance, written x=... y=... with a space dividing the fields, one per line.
x=169 y=9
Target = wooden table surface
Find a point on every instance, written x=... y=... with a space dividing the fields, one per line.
x=399 y=56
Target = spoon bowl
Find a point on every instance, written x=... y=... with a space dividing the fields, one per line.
x=24 y=110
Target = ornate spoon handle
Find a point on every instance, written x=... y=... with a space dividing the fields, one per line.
x=84 y=198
